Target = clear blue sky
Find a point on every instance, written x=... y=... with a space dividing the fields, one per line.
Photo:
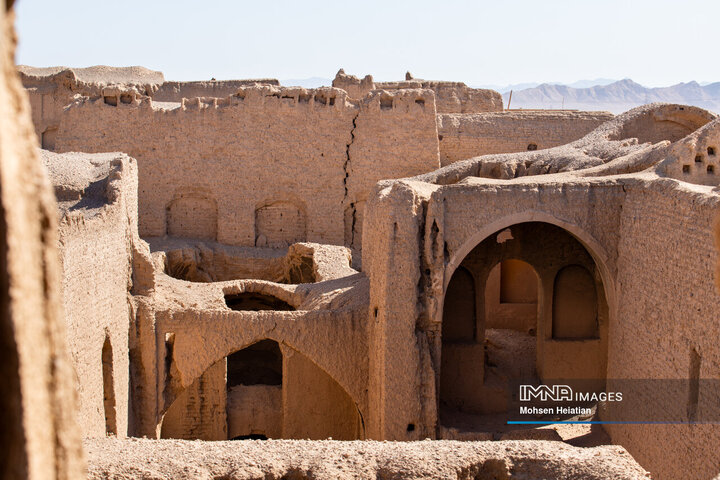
x=654 y=42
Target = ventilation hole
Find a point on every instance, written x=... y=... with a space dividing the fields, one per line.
x=304 y=98
x=110 y=100
x=332 y=100
x=711 y=169
x=386 y=102
x=427 y=271
x=532 y=147
x=711 y=150
x=125 y=98
x=320 y=98
x=420 y=101
x=411 y=427
x=698 y=158
x=440 y=137
x=375 y=312
x=686 y=168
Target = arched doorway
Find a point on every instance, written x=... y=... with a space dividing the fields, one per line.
x=536 y=297
x=265 y=390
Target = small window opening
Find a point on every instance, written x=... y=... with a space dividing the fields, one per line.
x=531 y=147
x=686 y=169
x=110 y=100
x=711 y=150
x=698 y=158
x=711 y=169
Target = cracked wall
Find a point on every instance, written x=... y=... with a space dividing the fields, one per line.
x=264 y=146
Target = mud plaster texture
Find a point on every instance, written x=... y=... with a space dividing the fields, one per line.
x=145 y=459
x=615 y=190
x=38 y=438
x=97 y=232
x=255 y=207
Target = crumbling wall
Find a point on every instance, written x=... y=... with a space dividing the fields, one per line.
x=667 y=308
x=38 y=437
x=281 y=165
x=451 y=97
x=51 y=89
x=262 y=146
x=97 y=211
x=471 y=135
x=395 y=136
x=696 y=158
x=176 y=91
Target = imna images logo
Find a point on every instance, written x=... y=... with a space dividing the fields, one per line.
x=545 y=393
x=564 y=393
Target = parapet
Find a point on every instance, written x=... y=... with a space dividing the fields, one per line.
x=450 y=97
x=89 y=79
x=176 y=91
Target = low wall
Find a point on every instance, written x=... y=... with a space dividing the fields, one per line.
x=472 y=135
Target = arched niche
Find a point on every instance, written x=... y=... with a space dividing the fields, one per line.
x=192 y=215
x=279 y=224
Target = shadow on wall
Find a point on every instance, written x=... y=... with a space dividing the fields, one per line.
x=526 y=303
x=265 y=390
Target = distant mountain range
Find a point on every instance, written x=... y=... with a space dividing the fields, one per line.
x=615 y=97
x=526 y=85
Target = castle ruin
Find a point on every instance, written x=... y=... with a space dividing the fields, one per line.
x=367 y=261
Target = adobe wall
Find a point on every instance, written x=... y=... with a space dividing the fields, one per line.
x=394 y=136
x=176 y=91
x=51 y=89
x=416 y=234
x=666 y=266
x=209 y=168
x=38 y=437
x=463 y=136
x=98 y=207
x=451 y=97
